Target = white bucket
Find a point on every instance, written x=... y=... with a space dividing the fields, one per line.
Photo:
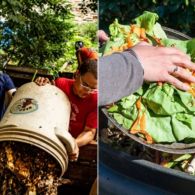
x=39 y=115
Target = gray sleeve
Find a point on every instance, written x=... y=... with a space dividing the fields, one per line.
x=120 y=74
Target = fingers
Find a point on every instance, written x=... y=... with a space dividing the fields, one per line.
x=166 y=64
x=183 y=61
x=164 y=50
x=102 y=36
x=172 y=51
x=144 y=43
x=184 y=75
x=41 y=81
x=53 y=82
x=179 y=71
x=177 y=83
x=73 y=157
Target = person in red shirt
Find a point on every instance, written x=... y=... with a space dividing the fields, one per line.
x=82 y=93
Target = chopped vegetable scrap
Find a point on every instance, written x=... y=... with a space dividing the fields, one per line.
x=139 y=125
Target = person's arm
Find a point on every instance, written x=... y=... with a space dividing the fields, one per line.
x=10 y=89
x=120 y=74
x=11 y=92
x=82 y=139
x=86 y=136
x=102 y=37
x=41 y=81
x=8 y=96
x=9 y=85
x=89 y=132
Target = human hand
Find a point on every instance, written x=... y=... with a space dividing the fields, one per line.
x=75 y=154
x=102 y=36
x=165 y=65
x=41 y=81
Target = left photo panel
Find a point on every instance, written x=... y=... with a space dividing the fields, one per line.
x=48 y=97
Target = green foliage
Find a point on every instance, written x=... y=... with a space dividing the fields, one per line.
x=89 y=29
x=176 y=14
x=86 y=33
x=43 y=34
x=41 y=30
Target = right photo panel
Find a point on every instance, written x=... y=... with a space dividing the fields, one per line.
x=146 y=97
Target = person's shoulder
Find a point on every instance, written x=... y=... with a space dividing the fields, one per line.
x=6 y=78
x=63 y=81
x=93 y=98
x=6 y=81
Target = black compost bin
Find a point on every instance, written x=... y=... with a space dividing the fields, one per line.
x=123 y=174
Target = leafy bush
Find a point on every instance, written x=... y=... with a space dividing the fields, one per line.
x=89 y=29
x=86 y=33
x=176 y=14
x=42 y=34
x=41 y=30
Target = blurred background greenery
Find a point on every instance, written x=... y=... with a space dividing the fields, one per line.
x=42 y=34
x=176 y=14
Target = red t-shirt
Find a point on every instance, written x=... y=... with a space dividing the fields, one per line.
x=83 y=111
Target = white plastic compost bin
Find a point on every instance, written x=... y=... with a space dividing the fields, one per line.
x=39 y=115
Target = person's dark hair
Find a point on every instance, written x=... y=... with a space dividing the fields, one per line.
x=89 y=65
x=78 y=45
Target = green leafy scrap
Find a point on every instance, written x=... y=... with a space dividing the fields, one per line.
x=170 y=112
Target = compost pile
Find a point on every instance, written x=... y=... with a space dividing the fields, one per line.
x=157 y=113
x=26 y=169
x=119 y=141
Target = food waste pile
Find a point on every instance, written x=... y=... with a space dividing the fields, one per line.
x=26 y=169
x=157 y=113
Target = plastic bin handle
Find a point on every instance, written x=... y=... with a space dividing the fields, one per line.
x=67 y=139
